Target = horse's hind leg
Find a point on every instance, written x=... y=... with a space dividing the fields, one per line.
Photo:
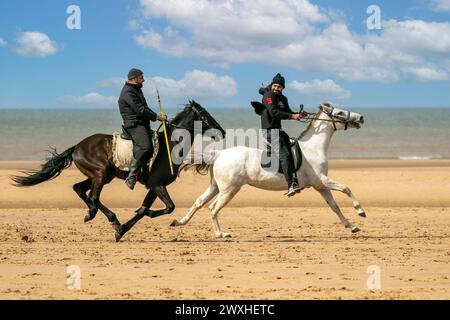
x=81 y=188
x=210 y=193
x=334 y=185
x=221 y=201
x=94 y=200
x=95 y=205
x=326 y=194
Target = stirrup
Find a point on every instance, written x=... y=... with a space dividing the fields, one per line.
x=291 y=192
x=293 y=189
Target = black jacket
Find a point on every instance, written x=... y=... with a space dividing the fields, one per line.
x=133 y=107
x=277 y=109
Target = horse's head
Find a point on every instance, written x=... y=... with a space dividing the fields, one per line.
x=341 y=119
x=195 y=112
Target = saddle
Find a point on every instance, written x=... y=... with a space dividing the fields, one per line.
x=296 y=153
x=122 y=150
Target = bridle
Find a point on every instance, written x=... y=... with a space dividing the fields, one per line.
x=311 y=116
x=333 y=120
x=200 y=115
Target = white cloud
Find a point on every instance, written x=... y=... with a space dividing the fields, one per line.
x=168 y=42
x=196 y=84
x=35 y=44
x=115 y=82
x=3 y=42
x=134 y=25
x=221 y=28
x=326 y=89
x=425 y=73
x=440 y=5
x=93 y=98
x=296 y=34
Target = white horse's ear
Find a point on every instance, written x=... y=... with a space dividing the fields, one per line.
x=325 y=106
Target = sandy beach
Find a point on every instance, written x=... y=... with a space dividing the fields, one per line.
x=280 y=248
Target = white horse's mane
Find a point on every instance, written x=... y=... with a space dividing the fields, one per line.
x=311 y=122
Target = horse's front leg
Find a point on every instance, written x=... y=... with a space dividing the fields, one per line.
x=334 y=185
x=164 y=196
x=141 y=212
x=112 y=218
x=326 y=194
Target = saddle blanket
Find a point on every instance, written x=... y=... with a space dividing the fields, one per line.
x=122 y=151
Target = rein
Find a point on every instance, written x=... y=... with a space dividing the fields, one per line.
x=311 y=116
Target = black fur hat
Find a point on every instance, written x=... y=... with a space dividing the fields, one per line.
x=278 y=79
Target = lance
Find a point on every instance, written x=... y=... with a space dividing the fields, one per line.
x=165 y=132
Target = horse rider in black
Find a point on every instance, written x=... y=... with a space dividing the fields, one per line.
x=136 y=121
x=277 y=109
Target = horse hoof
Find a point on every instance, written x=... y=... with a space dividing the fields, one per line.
x=223 y=235
x=116 y=226
x=174 y=223
x=355 y=229
x=118 y=236
x=87 y=217
x=362 y=214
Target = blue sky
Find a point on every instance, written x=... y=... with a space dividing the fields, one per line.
x=219 y=52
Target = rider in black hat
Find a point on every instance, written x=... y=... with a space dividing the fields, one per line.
x=277 y=109
x=136 y=121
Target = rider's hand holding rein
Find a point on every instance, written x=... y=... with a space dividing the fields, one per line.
x=161 y=118
x=296 y=116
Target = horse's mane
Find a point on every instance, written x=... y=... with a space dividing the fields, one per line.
x=202 y=168
x=305 y=131
x=310 y=124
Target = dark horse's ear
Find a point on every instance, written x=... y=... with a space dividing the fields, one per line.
x=197 y=105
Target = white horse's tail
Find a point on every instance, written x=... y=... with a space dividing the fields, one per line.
x=211 y=156
x=207 y=161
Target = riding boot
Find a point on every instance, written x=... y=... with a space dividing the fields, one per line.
x=144 y=173
x=132 y=178
x=288 y=176
x=292 y=183
x=295 y=184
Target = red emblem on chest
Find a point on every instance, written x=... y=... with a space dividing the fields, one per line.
x=269 y=100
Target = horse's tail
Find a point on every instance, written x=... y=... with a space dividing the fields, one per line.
x=208 y=160
x=49 y=170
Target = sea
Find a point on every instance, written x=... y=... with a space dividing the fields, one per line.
x=26 y=134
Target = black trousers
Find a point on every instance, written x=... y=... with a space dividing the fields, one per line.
x=278 y=149
x=142 y=143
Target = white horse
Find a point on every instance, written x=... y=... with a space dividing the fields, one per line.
x=235 y=167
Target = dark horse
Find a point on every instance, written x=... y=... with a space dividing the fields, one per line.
x=93 y=157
